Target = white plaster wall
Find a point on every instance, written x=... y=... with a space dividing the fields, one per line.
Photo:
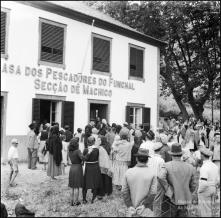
x=23 y=48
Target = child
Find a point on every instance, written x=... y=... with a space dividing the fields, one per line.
x=64 y=153
x=13 y=161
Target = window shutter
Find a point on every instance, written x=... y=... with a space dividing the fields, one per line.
x=3 y=31
x=68 y=114
x=52 y=43
x=146 y=118
x=136 y=62
x=127 y=118
x=101 y=55
x=36 y=110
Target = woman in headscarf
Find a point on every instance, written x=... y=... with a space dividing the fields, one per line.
x=76 y=170
x=54 y=146
x=122 y=149
x=105 y=167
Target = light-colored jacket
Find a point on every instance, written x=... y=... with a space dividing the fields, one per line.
x=32 y=141
x=178 y=180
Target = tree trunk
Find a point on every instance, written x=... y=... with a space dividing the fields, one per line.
x=180 y=104
x=198 y=111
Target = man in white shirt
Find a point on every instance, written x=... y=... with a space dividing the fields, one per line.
x=208 y=181
x=149 y=144
x=13 y=161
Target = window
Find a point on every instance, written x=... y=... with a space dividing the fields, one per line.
x=52 y=43
x=101 y=54
x=136 y=62
x=4 y=32
x=135 y=116
x=138 y=114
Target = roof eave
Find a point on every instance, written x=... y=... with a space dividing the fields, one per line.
x=76 y=15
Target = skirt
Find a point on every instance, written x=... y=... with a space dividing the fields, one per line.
x=76 y=176
x=105 y=186
x=119 y=169
x=40 y=154
x=92 y=176
x=53 y=169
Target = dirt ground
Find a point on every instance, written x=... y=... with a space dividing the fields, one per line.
x=51 y=198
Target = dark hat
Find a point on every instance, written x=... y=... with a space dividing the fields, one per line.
x=176 y=150
x=22 y=211
x=31 y=126
x=66 y=127
x=150 y=135
x=142 y=152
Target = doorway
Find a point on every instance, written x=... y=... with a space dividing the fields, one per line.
x=46 y=111
x=99 y=109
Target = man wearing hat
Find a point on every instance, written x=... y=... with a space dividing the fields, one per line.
x=178 y=181
x=208 y=180
x=148 y=144
x=139 y=185
x=13 y=161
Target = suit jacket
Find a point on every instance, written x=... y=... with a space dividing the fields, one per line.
x=179 y=181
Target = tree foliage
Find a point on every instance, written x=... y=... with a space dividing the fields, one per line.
x=190 y=63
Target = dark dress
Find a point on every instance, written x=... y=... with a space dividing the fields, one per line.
x=76 y=170
x=92 y=176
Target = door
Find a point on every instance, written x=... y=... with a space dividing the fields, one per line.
x=68 y=114
x=146 y=118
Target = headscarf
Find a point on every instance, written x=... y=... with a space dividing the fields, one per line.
x=55 y=145
x=105 y=144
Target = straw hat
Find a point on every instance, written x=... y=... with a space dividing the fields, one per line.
x=14 y=141
x=206 y=152
x=142 y=152
x=157 y=146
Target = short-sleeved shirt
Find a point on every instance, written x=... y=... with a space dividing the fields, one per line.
x=209 y=171
x=12 y=153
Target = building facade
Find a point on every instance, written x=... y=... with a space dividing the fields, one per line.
x=61 y=63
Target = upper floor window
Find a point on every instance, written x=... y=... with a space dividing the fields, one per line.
x=101 y=54
x=4 y=32
x=52 y=43
x=136 y=62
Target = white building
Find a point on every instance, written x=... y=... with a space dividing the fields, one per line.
x=65 y=62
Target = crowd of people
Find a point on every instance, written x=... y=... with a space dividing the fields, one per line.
x=156 y=170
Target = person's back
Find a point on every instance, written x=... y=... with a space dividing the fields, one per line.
x=140 y=180
x=180 y=176
x=149 y=146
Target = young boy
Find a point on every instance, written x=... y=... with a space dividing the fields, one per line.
x=13 y=161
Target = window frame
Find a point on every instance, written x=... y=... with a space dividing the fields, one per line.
x=92 y=45
x=136 y=106
x=47 y=63
x=5 y=55
x=134 y=77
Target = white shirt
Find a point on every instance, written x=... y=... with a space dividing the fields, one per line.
x=148 y=145
x=209 y=171
x=12 y=153
x=156 y=162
